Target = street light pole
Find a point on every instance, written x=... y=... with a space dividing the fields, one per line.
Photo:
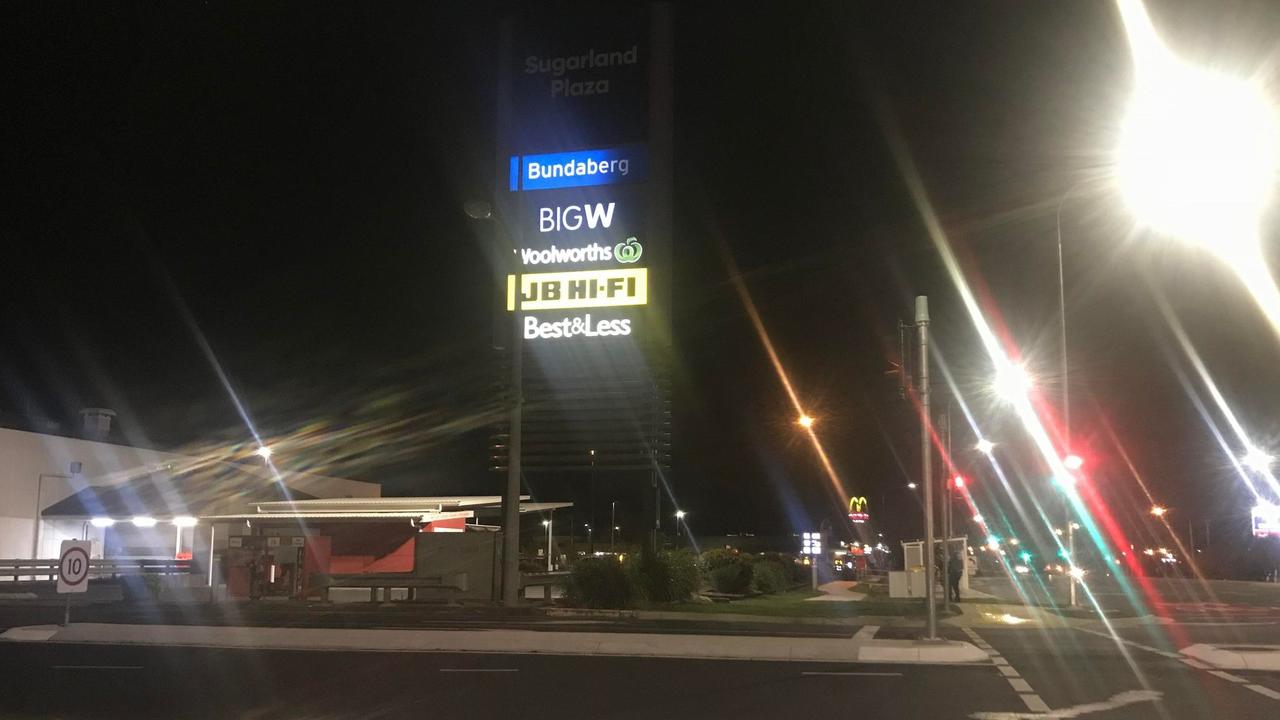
x=1066 y=389
x=926 y=464
x=613 y=522
x=548 y=522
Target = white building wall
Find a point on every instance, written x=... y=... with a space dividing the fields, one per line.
x=35 y=472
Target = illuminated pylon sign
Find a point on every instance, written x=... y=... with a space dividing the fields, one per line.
x=858 y=510
x=811 y=543
x=1266 y=521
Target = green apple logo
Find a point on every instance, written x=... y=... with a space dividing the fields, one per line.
x=629 y=251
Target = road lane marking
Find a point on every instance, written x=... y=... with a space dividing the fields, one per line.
x=856 y=674
x=1148 y=648
x=866 y=632
x=97 y=667
x=479 y=670
x=1264 y=691
x=1034 y=703
x=1026 y=693
x=1129 y=697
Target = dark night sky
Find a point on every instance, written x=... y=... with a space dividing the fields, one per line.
x=290 y=179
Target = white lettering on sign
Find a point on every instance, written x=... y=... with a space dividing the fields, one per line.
x=554 y=255
x=558 y=67
x=570 y=217
x=576 y=326
x=535 y=170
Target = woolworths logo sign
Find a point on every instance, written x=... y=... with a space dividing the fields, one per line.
x=627 y=252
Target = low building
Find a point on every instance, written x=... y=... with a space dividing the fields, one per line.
x=40 y=470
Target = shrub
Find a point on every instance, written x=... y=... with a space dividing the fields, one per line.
x=665 y=576
x=713 y=559
x=685 y=576
x=769 y=576
x=733 y=578
x=600 y=583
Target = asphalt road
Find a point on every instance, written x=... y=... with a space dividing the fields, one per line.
x=1186 y=600
x=1077 y=673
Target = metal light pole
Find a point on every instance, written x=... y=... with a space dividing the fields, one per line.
x=947 y=481
x=549 y=523
x=926 y=464
x=591 y=498
x=613 y=522
x=1066 y=391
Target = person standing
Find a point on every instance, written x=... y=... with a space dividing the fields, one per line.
x=955 y=571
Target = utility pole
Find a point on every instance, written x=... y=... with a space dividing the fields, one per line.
x=511 y=500
x=591 y=498
x=926 y=464
x=946 y=516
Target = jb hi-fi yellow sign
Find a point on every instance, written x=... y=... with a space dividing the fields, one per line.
x=578 y=289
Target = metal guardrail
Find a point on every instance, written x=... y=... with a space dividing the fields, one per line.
x=48 y=569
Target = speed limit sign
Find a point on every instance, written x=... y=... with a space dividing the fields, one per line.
x=73 y=566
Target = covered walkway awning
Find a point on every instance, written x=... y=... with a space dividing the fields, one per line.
x=424 y=509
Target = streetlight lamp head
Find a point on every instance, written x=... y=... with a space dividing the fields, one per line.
x=1197 y=151
x=264 y=452
x=985 y=446
x=1012 y=382
x=1258 y=459
x=546 y=523
x=680 y=514
x=805 y=421
x=911 y=486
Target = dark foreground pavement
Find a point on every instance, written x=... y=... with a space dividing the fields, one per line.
x=1072 y=672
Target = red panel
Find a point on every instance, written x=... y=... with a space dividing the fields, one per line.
x=349 y=564
x=450 y=524
x=398 y=560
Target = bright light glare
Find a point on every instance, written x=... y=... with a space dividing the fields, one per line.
x=1012 y=382
x=680 y=514
x=985 y=446
x=102 y=522
x=1197 y=156
x=1158 y=510
x=1076 y=572
x=977 y=518
x=1073 y=462
x=1258 y=459
x=1021 y=569
x=546 y=523
x=263 y=452
x=143 y=521
x=959 y=481
x=805 y=421
x=911 y=486
x=184 y=521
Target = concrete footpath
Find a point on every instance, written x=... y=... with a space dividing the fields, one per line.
x=705 y=647
x=973 y=615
